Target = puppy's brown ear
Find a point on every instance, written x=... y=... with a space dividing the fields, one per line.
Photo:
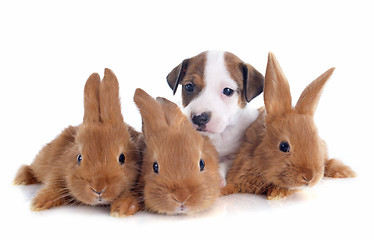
x=91 y=99
x=177 y=75
x=253 y=82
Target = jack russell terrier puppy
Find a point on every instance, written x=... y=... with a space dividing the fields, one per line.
x=216 y=89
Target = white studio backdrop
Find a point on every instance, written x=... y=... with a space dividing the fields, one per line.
x=49 y=48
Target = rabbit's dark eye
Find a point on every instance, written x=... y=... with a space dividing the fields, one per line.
x=202 y=164
x=155 y=167
x=79 y=159
x=228 y=92
x=284 y=147
x=121 y=159
x=189 y=87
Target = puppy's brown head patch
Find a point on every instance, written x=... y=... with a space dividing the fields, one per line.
x=189 y=74
x=249 y=80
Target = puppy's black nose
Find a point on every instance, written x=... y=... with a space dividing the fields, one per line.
x=202 y=119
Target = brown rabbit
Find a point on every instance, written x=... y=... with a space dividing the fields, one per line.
x=92 y=163
x=180 y=167
x=282 y=151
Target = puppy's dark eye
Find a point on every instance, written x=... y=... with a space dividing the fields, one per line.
x=228 y=92
x=79 y=159
x=189 y=87
x=202 y=165
x=284 y=147
x=121 y=159
x=155 y=167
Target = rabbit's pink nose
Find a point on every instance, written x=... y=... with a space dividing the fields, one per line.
x=98 y=192
x=181 y=196
x=308 y=177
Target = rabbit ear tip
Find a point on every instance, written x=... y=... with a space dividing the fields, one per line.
x=139 y=91
x=272 y=60
x=140 y=94
x=270 y=55
x=108 y=73
x=94 y=75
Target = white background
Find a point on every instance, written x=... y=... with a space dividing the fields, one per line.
x=48 y=50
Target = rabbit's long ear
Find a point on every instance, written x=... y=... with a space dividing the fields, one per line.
x=152 y=113
x=277 y=96
x=92 y=99
x=110 y=105
x=173 y=114
x=309 y=98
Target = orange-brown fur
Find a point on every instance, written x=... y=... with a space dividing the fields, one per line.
x=260 y=167
x=100 y=139
x=177 y=147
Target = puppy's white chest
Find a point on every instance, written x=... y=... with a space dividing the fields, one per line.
x=228 y=142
